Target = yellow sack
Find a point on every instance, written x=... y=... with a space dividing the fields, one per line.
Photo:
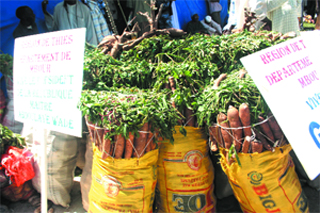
x=122 y=185
x=266 y=182
x=185 y=174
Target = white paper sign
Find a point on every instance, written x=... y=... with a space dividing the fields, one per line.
x=47 y=74
x=288 y=77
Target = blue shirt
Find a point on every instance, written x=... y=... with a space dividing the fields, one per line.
x=98 y=19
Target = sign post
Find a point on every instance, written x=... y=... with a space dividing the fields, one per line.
x=288 y=77
x=47 y=73
x=44 y=169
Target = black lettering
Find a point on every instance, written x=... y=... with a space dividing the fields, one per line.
x=182 y=202
x=268 y=204
x=197 y=202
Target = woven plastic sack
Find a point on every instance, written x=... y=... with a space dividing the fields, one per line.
x=123 y=185
x=185 y=174
x=266 y=182
x=86 y=176
x=62 y=158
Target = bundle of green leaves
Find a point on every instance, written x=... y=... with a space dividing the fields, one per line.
x=193 y=62
x=6 y=64
x=232 y=91
x=126 y=110
x=9 y=138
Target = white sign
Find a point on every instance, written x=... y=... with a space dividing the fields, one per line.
x=288 y=77
x=47 y=73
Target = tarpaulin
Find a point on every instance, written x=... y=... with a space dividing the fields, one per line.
x=9 y=21
x=186 y=8
x=224 y=12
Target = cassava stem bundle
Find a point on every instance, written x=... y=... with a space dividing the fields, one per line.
x=123 y=119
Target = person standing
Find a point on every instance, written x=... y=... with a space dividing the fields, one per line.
x=262 y=23
x=99 y=21
x=27 y=25
x=166 y=14
x=232 y=19
x=282 y=13
x=70 y=14
x=214 y=10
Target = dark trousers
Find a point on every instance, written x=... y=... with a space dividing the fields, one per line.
x=216 y=17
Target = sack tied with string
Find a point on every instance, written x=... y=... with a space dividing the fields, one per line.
x=120 y=183
x=256 y=160
x=185 y=174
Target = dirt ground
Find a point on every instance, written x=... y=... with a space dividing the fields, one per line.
x=228 y=204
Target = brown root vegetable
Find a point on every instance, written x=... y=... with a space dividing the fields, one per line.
x=215 y=133
x=218 y=80
x=119 y=146
x=190 y=119
x=100 y=138
x=256 y=146
x=213 y=145
x=275 y=128
x=112 y=149
x=242 y=73
x=172 y=84
x=149 y=140
x=267 y=146
x=265 y=128
x=141 y=141
x=225 y=132
x=234 y=122
x=246 y=144
x=213 y=140
x=244 y=114
x=317 y=27
x=129 y=146
x=97 y=135
x=106 y=147
x=264 y=142
x=176 y=32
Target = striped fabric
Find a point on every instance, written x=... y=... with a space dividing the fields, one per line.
x=284 y=18
x=98 y=19
x=283 y=14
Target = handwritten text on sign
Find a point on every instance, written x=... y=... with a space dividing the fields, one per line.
x=48 y=70
x=288 y=77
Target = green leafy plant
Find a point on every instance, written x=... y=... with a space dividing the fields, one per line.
x=231 y=91
x=126 y=110
x=6 y=64
x=9 y=138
